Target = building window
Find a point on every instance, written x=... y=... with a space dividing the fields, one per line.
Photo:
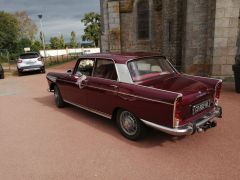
x=143 y=19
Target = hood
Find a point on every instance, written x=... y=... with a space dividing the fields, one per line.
x=177 y=83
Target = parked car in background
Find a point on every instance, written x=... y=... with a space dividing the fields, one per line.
x=139 y=90
x=1 y=72
x=31 y=61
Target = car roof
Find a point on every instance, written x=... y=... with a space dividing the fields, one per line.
x=122 y=58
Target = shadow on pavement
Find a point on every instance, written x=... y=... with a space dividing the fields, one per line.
x=30 y=73
x=152 y=138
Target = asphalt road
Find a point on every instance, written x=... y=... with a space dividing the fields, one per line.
x=40 y=141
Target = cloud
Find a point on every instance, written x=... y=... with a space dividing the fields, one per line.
x=59 y=16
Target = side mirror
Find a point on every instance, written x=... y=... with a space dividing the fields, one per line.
x=69 y=71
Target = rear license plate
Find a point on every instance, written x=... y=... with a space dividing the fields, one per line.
x=30 y=62
x=201 y=106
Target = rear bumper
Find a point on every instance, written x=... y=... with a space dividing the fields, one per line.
x=198 y=125
x=31 y=68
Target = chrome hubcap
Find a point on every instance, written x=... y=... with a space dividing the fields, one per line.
x=128 y=123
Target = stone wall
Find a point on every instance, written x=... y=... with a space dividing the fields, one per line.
x=162 y=12
x=172 y=30
x=105 y=27
x=225 y=37
x=111 y=38
x=129 y=41
x=198 y=35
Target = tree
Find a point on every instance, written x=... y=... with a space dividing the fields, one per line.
x=9 y=31
x=57 y=42
x=54 y=43
x=27 y=28
x=23 y=43
x=73 y=40
x=92 y=30
x=61 y=42
x=36 y=46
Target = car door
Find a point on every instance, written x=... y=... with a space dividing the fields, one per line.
x=102 y=87
x=72 y=86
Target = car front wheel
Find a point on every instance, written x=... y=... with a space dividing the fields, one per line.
x=130 y=126
x=19 y=73
x=58 y=97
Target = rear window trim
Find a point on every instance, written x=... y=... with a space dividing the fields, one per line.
x=29 y=54
x=147 y=57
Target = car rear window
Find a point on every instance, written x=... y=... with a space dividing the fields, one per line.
x=145 y=68
x=29 y=56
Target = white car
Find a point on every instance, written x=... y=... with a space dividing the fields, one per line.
x=31 y=61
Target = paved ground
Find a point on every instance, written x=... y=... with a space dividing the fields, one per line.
x=39 y=141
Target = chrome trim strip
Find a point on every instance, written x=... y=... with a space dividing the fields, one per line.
x=94 y=65
x=100 y=88
x=159 y=89
x=31 y=69
x=174 y=110
x=63 y=80
x=183 y=130
x=205 y=119
x=91 y=110
x=152 y=100
x=220 y=81
x=172 y=131
x=140 y=97
x=203 y=77
x=171 y=65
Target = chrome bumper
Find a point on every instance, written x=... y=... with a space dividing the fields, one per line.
x=190 y=128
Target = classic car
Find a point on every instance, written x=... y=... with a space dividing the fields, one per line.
x=138 y=90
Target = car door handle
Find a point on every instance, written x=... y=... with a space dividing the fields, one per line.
x=84 y=82
x=114 y=86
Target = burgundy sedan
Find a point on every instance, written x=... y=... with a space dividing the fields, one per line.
x=138 y=90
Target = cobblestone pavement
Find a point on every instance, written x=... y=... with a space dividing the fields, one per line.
x=40 y=141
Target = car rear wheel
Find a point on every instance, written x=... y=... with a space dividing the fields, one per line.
x=130 y=126
x=58 y=97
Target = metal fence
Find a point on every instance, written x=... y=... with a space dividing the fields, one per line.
x=10 y=65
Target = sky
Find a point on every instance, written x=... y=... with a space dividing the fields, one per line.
x=59 y=16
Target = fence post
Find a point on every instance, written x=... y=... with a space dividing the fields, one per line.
x=9 y=65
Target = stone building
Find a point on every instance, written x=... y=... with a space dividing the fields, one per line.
x=199 y=36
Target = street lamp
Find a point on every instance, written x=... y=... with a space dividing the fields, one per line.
x=42 y=36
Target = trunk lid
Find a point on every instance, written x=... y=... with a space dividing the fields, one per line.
x=194 y=92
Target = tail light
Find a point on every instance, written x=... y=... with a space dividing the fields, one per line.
x=19 y=61
x=218 y=90
x=177 y=112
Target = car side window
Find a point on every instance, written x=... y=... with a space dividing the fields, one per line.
x=85 y=67
x=105 y=69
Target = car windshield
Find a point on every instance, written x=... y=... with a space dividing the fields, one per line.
x=141 y=69
x=29 y=56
